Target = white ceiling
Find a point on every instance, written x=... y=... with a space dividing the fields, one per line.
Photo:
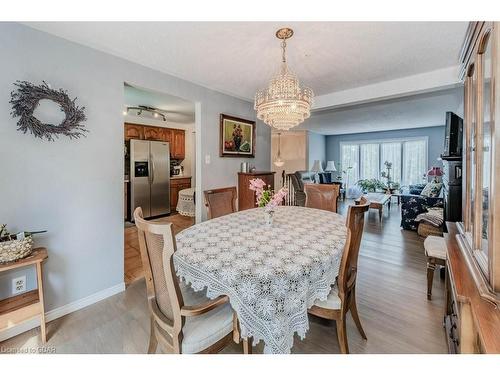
x=239 y=58
x=178 y=110
x=404 y=113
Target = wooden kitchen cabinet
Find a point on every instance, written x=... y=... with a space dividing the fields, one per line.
x=153 y=133
x=176 y=185
x=178 y=150
x=175 y=137
x=167 y=136
x=133 y=132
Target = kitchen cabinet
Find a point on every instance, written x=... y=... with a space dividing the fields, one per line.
x=167 y=136
x=178 y=151
x=133 y=132
x=153 y=133
x=176 y=185
x=175 y=137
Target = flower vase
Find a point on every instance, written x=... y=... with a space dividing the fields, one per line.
x=269 y=218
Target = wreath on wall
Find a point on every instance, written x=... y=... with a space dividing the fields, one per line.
x=25 y=100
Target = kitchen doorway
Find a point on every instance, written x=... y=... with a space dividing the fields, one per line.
x=159 y=166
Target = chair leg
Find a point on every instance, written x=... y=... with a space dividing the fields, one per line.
x=430 y=276
x=342 y=336
x=355 y=316
x=247 y=345
x=153 y=342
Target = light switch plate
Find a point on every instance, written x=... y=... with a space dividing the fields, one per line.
x=207 y=159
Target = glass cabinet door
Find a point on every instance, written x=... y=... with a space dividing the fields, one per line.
x=486 y=61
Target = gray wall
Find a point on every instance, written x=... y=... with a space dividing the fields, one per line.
x=316 y=148
x=435 y=142
x=74 y=188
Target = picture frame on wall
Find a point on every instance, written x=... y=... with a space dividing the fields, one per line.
x=237 y=137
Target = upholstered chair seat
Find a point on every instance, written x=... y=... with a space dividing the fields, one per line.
x=333 y=301
x=435 y=247
x=202 y=331
x=435 y=251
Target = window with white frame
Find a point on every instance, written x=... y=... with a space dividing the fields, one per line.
x=365 y=159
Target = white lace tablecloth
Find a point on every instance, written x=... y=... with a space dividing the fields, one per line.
x=272 y=275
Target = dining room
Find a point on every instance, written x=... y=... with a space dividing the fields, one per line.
x=243 y=187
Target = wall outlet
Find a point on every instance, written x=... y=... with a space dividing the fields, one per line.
x=19 y=285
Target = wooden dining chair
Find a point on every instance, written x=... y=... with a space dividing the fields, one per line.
x=342 y=297
x=182 y=321
x=322 y=196
x=221 y=201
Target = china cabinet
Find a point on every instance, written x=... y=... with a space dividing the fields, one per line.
x=479 y=236
x=472 y=317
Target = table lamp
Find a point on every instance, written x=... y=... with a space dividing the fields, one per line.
x=435 y=172
x=317 y=168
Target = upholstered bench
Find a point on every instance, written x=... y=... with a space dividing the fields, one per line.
x=435 y=251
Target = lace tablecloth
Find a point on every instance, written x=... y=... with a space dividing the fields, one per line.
x=272 y=275
x=185 y=203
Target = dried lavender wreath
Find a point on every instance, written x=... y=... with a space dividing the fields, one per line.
x=27 y=97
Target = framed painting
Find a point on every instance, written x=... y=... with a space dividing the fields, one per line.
x=237 y=137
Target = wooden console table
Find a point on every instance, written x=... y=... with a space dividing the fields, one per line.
x=18 y=309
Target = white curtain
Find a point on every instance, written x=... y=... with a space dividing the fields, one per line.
x=414 y=161
x=369 y=161
x=350 y=163
x=391 y=152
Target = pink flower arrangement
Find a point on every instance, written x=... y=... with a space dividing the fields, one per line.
x=266 y=197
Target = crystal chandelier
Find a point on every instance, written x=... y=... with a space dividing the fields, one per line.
x=284 y=104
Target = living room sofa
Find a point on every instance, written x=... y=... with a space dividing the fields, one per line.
x=413 y=204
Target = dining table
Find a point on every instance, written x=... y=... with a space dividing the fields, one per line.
x=271 y=272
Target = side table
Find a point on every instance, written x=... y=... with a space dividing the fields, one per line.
x=20 y=308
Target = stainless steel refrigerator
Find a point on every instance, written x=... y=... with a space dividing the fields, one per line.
x=149 y=177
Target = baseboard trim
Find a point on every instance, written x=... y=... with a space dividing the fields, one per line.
x=63 y=310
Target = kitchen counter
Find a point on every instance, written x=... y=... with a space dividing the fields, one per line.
x=178 y=177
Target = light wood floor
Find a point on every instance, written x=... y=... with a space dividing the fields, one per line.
x=391 y=294
x=133 y=265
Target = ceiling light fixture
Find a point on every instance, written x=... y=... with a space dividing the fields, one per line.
x=278 y=161
x=284 y=105
x=156 y=112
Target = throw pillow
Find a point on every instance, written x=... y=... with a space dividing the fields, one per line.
x=432 y=189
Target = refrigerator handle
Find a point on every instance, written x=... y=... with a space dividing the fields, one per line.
x=153 y=168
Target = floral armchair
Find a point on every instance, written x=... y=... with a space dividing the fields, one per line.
x=413 y=204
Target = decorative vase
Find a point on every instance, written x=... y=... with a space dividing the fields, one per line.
x=269 y=218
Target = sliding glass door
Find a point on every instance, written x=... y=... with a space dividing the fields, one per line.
x=350 y=163
x=367 y=159
x=414 y=161
x=391 y=152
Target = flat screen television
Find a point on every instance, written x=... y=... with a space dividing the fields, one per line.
x=453 y=136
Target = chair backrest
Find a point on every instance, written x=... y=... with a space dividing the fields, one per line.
x=157 y=246
x=349 y=264
x=220 y=202
x=322 y=196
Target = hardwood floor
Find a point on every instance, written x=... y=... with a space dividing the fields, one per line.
x=392 y=303
x=133 y=265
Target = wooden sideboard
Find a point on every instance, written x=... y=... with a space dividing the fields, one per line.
x=246 y=197
x=175 y=137
x=472 y=323
x=177 y=184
